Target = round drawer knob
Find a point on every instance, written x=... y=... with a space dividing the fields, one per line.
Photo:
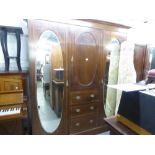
x=91 y=121
x=92 y=95
x=92 y=108
x=16 y=88
x=78 y=97
x=77 y=110
x=77 y=124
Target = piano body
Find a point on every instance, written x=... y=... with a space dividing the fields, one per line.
x=14 y=102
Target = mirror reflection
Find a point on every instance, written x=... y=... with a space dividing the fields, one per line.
x=151 y=50
x=113 y=57
x=121 y=71
x=50 y=83
x=126 y=63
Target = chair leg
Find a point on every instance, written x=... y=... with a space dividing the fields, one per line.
x=18 y=50
x=5 y=49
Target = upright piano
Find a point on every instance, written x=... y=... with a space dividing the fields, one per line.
x=14 y=102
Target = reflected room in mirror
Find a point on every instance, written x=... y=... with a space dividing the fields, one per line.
x=49 y=71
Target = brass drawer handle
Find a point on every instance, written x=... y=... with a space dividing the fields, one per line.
x=92 y=95
x=77 y=124
x=78 y=97
x=16 y=88
x=78 y=110
x=91 y=121
x=92 y=108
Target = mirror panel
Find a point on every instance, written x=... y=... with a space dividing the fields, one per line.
x=113 y=56
x=142 y=63
x=49 y=71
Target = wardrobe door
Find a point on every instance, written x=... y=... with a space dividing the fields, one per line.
x=86 y=72
x=47 y=42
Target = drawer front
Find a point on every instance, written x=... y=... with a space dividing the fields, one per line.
x=12 y=85
x=83 y=97
x=83 y=123
x=83 y=109
x=11 y=98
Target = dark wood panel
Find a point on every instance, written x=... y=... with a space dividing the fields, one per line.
x=140 y=61
x=83 y=123
x=85 y=52
x=11 y=127
x=86 y=71
x=84 y=57
x=36 y=28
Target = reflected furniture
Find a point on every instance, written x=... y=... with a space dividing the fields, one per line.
x=141 y=63
x=15 y=114
x=57 y=96
x=46 y=79
x=17 y=32
x=46 y=88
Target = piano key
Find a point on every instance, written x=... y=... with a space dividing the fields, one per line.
x=10 y=111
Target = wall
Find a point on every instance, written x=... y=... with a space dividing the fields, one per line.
x=12 y=46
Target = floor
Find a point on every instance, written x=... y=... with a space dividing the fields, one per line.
x=49 y=119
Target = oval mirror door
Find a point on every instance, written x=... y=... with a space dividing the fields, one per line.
x=50 y=83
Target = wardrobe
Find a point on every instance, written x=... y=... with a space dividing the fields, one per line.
x=85 y=68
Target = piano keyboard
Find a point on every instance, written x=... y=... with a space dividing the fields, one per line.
x=10 y=111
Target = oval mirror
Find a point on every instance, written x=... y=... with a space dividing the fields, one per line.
x=49 y=68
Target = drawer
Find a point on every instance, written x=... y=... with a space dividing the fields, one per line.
x=83 y=109
x=11 y=98
x=8 y=84
x=88 y=96
x=12 y=85
x=83 y=123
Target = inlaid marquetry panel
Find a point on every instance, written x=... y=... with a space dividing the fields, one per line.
x=85 y=57
x=85 y=54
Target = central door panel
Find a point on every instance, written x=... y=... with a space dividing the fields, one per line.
x=86 y=71
x=84 y=58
